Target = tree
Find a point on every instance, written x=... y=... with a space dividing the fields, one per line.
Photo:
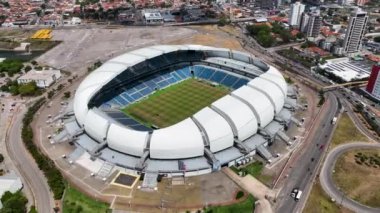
x=50 y=94
x=28 y=89
x=34 y=63
x=13 y=202
x=223 y=21
x=300 y=35
x=1 y=158
x=67 y=94
x=27 y=68
x=266 y=40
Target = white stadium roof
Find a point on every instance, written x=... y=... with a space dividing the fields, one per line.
x=126 y=140
x=271 y=90
x=259 y=103
x=96 y=125
x=236 y=115
x=242 y=118
x=182 y=140
x=218 y=131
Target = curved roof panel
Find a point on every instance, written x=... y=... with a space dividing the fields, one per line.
x=126 y=140
x=218 y=131
x=182 y=140
x=128 y=59
x=271 y=90
x=100 y=77
x=242 y=117
x=96 y=125
x=258 y=102
x=81 y=100
x=147 y=52
x=276 y=77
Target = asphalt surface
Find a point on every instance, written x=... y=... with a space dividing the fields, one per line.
x=303 y=170
x=25 y=163
x=327 y=182
x=305 y=166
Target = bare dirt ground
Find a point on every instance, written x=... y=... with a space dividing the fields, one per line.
x=82 y=47
x=212 y=35
x=359 y=182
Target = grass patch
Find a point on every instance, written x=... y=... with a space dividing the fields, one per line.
x=319 y=202
x=357 y=174
x=75 y=201
x=175 y=103
x=245 y=206
x=346 y=132
x=254 y=169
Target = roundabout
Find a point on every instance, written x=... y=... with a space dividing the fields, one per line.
x=327 y=180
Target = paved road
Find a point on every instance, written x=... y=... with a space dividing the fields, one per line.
x=328 y=183
x=26 y=165
x=358 y=123
x=305 y=165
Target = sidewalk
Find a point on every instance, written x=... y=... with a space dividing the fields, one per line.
x=254 y=187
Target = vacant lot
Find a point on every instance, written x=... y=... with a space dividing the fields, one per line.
x=175 y=103
x=319 y=202
x=245 y=206
x=346 y=132
x=357 y=174
x=74 y=201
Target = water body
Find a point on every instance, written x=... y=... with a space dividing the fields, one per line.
x=24 y=56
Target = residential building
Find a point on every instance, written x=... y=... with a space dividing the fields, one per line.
x=265 y=4
x=43 y=78
x=373 y=86
x=361 y=2
x=355 y=31
x=296 y=11
x=152 y=17
x=311 y=24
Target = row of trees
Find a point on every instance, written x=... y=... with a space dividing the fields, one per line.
x=53 y=175
x=265 y=35
x=368 y=117
x=28 y=89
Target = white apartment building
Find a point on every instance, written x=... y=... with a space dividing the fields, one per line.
x=296 y=11
x=355 y=31
x=43 y=78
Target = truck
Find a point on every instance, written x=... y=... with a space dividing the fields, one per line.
x=298 y=196
x=333 y=121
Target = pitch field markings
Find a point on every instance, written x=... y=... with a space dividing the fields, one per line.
x=175 y=103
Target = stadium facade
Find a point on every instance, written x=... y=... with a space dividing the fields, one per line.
x=230 y=131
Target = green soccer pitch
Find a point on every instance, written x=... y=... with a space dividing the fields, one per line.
x=175 y=103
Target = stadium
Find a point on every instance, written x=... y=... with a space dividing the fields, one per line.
x=180 y=110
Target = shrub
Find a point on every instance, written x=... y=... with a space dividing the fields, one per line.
x=1 y=158
x=239 y=195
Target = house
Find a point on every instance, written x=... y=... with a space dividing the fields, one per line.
x=43 y=78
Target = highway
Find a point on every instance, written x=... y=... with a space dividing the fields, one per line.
x=304 y=167
x=327 y=182
x=25 y=163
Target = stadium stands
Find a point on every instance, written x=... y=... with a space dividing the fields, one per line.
x=228 y=130
x=147 y=86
